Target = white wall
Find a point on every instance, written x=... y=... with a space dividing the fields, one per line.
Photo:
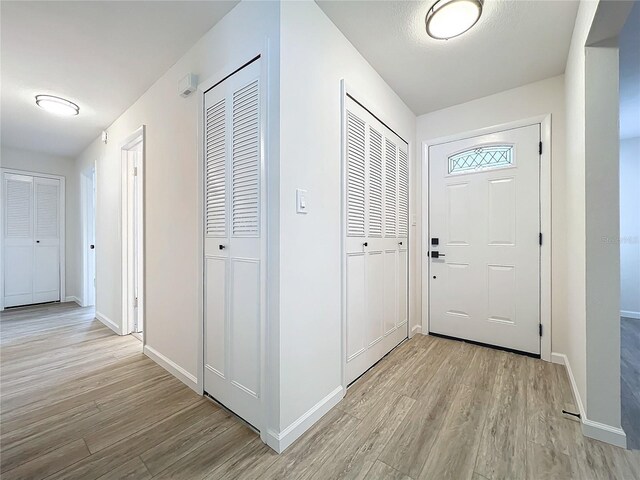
x=593 y=288
x=304 y=251
x=173 y=284
x=315 y=56
x=535 y=99
x=602 y=144
x=62 y=166
x=630 y=227
x=575 y=286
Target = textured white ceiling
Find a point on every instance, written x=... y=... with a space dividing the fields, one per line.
x=514 y=43
x=630 y=75
x=101 y=55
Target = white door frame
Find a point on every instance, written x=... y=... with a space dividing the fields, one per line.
x=347 y=89
x=61 y=229
x=266 y=386
x=545 y=219
x=87 y=188
x=137 y=137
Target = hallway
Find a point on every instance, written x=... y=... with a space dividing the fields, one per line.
x=81 y=402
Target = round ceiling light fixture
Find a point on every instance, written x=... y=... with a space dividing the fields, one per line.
x=449 y=18
x=57 y=105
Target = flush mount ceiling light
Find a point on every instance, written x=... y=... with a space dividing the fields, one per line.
x=450 y=18
x=57 y=105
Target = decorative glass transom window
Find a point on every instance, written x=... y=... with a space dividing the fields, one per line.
x=481 y=158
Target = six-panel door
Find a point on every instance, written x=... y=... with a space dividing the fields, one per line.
x=484 y=210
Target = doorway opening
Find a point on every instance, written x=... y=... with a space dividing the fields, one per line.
x=630 y=227
x=132 y=153
x=88 y=192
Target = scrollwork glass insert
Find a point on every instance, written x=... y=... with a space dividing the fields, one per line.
x=481 y=158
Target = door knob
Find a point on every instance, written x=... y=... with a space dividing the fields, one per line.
x=399 y=243
x=92 y=247
x=436 y=254
x=221 y=247
x=365 y=244
x=37 y=241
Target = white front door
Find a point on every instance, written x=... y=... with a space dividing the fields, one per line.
x=31 y=239
x=233 y=266
x=376 y=234
x=484 y=224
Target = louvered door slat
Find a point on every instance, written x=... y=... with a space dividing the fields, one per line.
x=245 y=162
x=403 y=194
x=216 y=171
x=19 y=220
x=355 y=176
x=375 y=183
x=46 y=199
x=390 y=188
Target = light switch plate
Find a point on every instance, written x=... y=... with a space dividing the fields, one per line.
x=301 y=201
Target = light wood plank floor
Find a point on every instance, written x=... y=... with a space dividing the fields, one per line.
x=79 y=402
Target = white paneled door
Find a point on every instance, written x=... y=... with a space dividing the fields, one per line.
x=232 y=245
x=31 y=240
x=484 y=224
x=376 y=210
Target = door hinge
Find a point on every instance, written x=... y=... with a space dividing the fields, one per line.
x=540 y=238
x=540 y=148
x=135 y=171
x=540 y=325
x=135 y=302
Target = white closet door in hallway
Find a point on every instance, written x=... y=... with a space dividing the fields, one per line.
x=232 y=245
x=376 y=233
x=31 y=231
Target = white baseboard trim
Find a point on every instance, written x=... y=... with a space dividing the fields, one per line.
x=73 y=299
x=416 y=329
x=590 y=428
x=562 y=359
x=173 y=368
x=604 y=433
x=108 y=322
x=280 y=441
x=630 y=314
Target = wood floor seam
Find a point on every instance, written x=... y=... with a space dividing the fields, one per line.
x=395 y=469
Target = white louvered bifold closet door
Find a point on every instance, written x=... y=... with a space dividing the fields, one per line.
x=376 y=204
x=31 y=239
x=232 y=224
x=46 y=279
